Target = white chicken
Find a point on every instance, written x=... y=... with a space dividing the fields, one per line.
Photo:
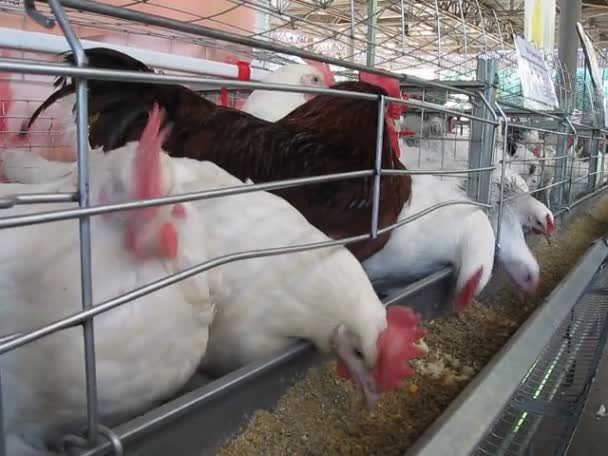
x=432 y=125
x=526 y=212
x=274 y=105
x=521 y=213
x=514 y=255
x=321 y=295
x=145 y=349
x=521 y=160
x=417 y=248
x=448 y=155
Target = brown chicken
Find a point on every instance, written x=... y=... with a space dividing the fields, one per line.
x=326 y=135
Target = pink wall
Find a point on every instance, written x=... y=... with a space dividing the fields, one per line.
x=21 y=94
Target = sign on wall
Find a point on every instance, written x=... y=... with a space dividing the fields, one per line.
x=536 y=81
x=593 y=66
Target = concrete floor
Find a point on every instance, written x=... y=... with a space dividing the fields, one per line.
x=591 y=437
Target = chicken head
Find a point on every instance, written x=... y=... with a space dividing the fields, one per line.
x=397 y=344
x=322 y=76
x=149 y=231
x=393 y=111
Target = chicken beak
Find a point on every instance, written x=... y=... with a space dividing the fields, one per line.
x=368 y=387
x=364 y=379
x=357 y=370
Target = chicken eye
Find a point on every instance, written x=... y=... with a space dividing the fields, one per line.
x=315 y=79
x=532 y=169
x=358 y=353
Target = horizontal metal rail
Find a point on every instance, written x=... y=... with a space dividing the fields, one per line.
x=67 y=214
x=11 y=341
x=465 y=421
x=200 y=30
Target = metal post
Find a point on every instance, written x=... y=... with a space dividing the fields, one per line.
x=482 y=134
x=85 y=226
x=561 y=194
x=378 y=168
x=371 y=32
x=569 y=15
x=353 y=31
x=597 y=120
x=2 y=428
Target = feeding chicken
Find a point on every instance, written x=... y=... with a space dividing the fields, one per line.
x=322 y=295
x=422 y=246
x=525 y=213
x=521 y=213
x=326 y=135
x=514 y=255
x=146 y=349
x=273 y=105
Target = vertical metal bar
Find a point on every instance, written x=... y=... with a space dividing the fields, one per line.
x=483 y=26
x=464 y=33
x=402 y=27
x=378 y=167
x=371 y=32
x=482 y=135
x=563 y=195
x=502 y=42
x=438 y=15
x=594 y=161
x=502 y=173
x=352 y=30
x=2 y=429
x=569 y=15
x=85 y=227
x=597 y=106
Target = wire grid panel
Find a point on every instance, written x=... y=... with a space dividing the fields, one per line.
x=54 y=134
x=532 y=151
x=545 y=409
x=437 y=141
x=86 y=316
x=435 y=39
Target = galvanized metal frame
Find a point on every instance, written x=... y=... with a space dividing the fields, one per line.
x=466 y=420
x=82 y=73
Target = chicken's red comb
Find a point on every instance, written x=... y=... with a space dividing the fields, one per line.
x=148 y=184
x=391 y=85
x=537 y=151
x=397 y=347
x=550 y=223
x=328 y=75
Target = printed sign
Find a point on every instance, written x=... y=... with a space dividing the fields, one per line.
x=536 y=80
x=590 y=57
x=593 y=66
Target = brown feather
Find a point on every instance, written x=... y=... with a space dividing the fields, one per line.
x=326 y=135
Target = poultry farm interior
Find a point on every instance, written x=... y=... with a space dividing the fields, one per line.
x=363 y=238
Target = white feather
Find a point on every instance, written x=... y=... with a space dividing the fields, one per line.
x=276 y=299
x=145 y=350
x=458 y=235
x=273 y=105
